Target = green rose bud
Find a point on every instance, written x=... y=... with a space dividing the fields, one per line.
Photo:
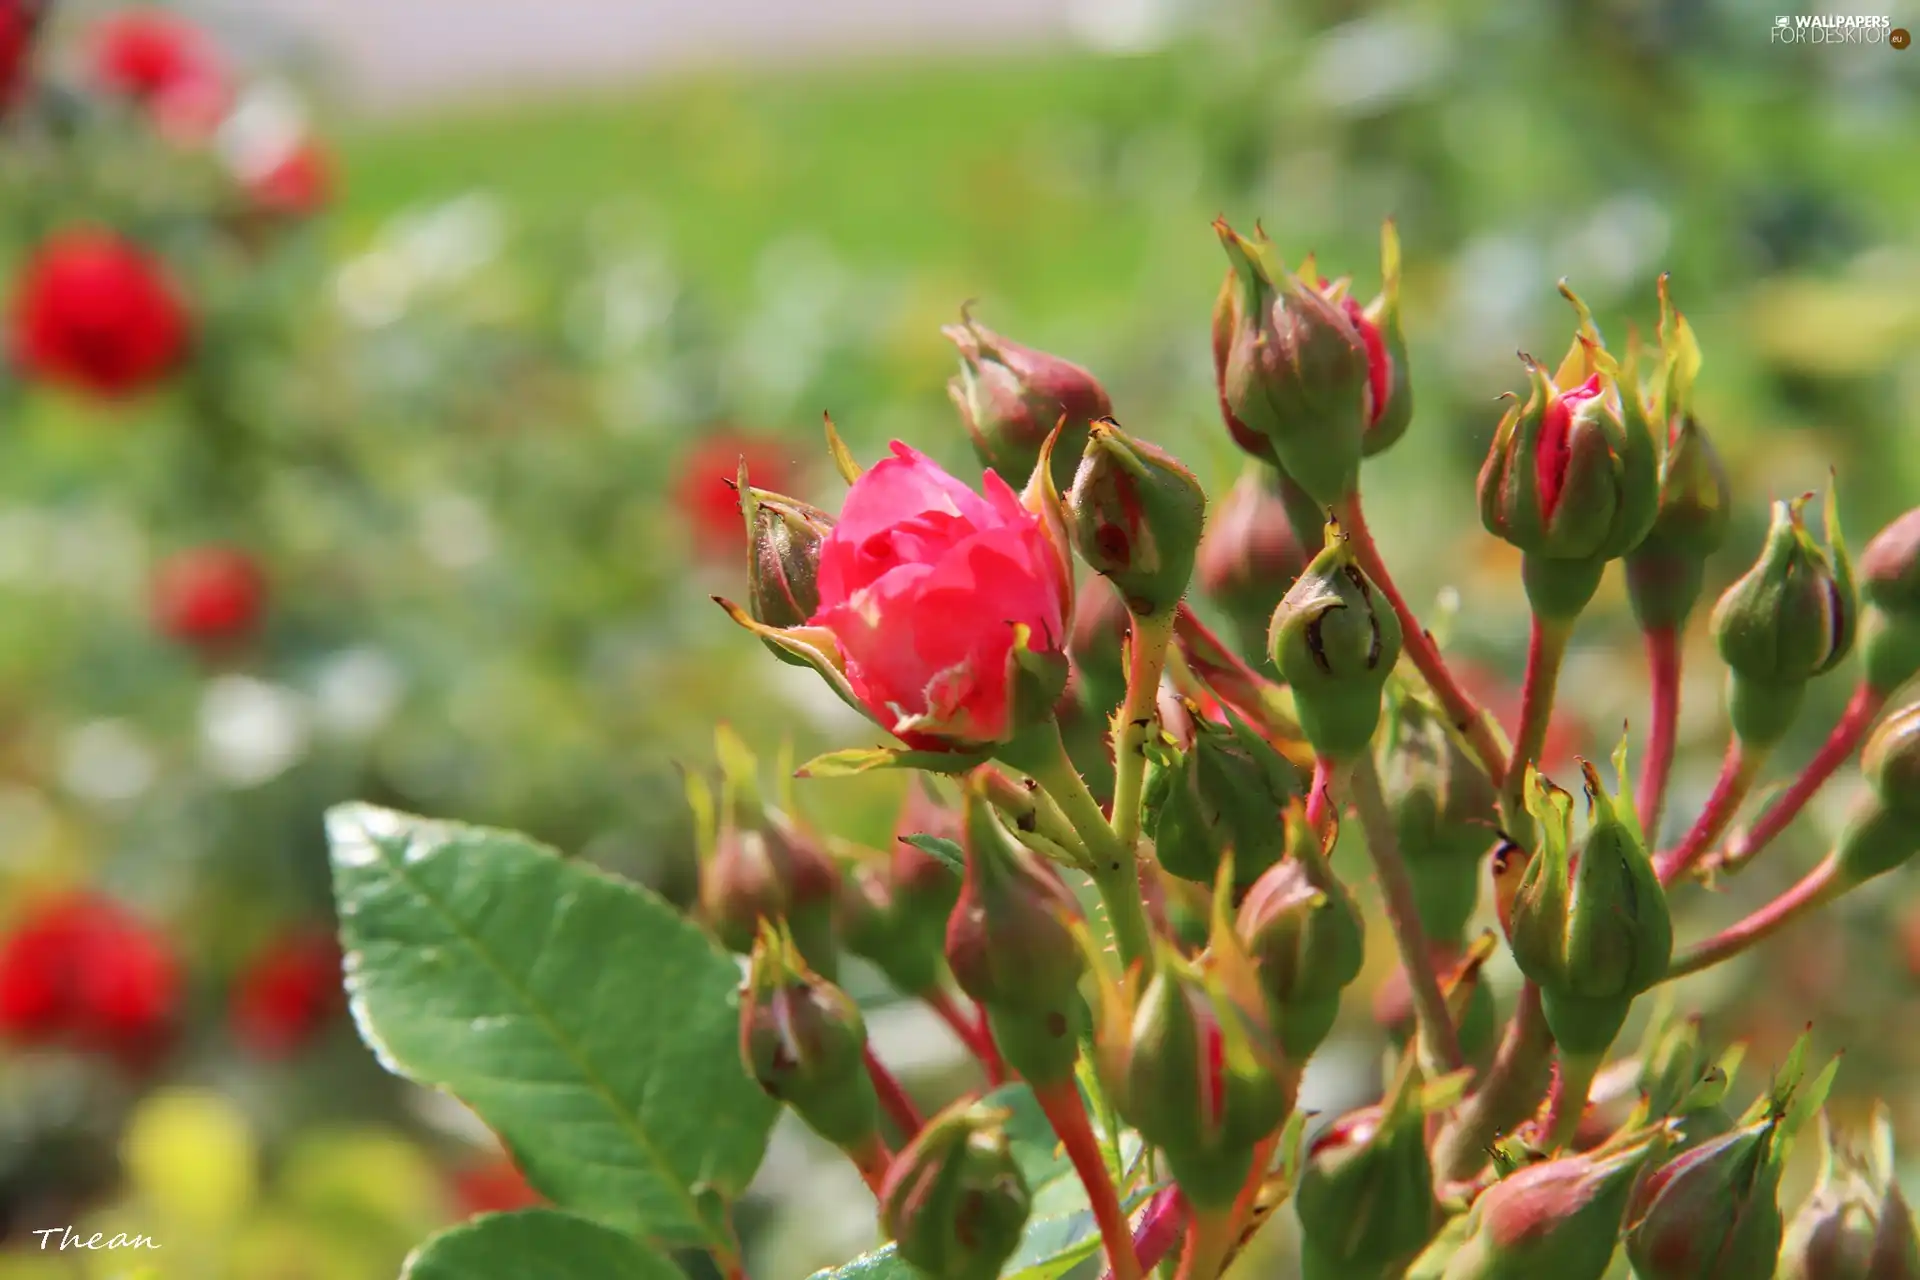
x=1883 y=832
x=1711 y=1212
x=1856 y=1225
x=1592 y=932
x=1012 y=397
x=1293 y=369
x=1443 y=811
x=1301 y=928
x=1011 y=947
x=805 y=1042
x=1664 y=572
x=1365 y=1199
x=1788 y=619
x=1335 y=639
x=1198 y=1075
x=1890 y=584
x=1220 y=797
x=1558 y=1218
x=1250 y=554
x=955 y=1200
x=783 y=560
x=1136 y=516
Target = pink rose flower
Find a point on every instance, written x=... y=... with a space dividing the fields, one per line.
x=923 y=583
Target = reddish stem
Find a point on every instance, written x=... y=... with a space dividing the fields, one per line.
x=1546 y=649
x=1464 y=713
x=1817 y=887
x=894 y=1099
x=1663 y=669
x=1061 y=1103
x=1729 y=789
x=972 y=1030
x=1160 y=1228
x=1848 y=733
x=872 y=1160
x=1320 y=796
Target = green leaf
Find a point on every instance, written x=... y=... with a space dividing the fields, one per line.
x=588 y=1023
x=857 y=760
x=948 y=851
x=1061 y=1234
x=537 y=1244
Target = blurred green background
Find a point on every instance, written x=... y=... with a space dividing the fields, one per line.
x=459 y=420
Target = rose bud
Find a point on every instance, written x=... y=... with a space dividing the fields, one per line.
x=1221 y=798
x=1678 y=1079
x=95 y=313
x=1573 y=477
x=1193 y=1067
x=1335 y=640
x=1097 y=645
x=1883 y=832
x=83 y=972
x=759 y=866
x=1293 y=369
x=954 y=1200
x=1787 y=620
x=164 y=63
x=1592 y=930
x=1012 y=397
x=1365 y=1198
x=1303 y=932
x=1664 y=571
x=1136 y=516
x=208 y=596
x=286 y=994
x=1713 y=1210
x=783 y=557
x=943 y=613
x=1443 y=811
x=1469 y=1002
x=877 y=928
x=1011 y=947
x=804 y=1041
x=290 y=182
x=1890 y=586
x=1558 y=1218
x=1250 y=554
x=1856 y=1225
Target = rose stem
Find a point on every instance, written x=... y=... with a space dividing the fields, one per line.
x=872 y=1158
x=1210 y=1241
x=1663 y=670
x=971 y=1030
x=1508 y=1093
x=1138 y=714
x=1065 y=1111
x=893 y=1097
x=1546 y=650
x=1114 y=868
x=1737 y=772
x=1567 y=1102
x=1835 y=751
x=1160 y=1228
x=1319 y=798
x=1818 y=887
x=1403 y=912
x=1032 y=812
x=1464 y=714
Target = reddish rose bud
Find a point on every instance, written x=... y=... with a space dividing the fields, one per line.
x=783 y=559
x=286 y=995
x=95 y=313
x=1012 y=397
x=943 y=612
x=81 y=971
x=1250 y=555
x=1890 y=586
x=764 y=869
x=166 y=64
x=1365 y=1198
x=706 y=486
x=1712 y=1210
x=954 y=1199
x=1301 y=928
x=1856 y=1225
x=804 y=1041
x=208 y=596
x=292 y=183
x=1136 y=514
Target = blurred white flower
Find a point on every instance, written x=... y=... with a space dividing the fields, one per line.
x=356 y=692
x=455 y=530
x=267 y=125
x=107 y=762
x=1123 y=26
x=1372 y=63
x=450 y=242
x=374 y=289
x=251 y=731
x=1493 y=289
x=1616 y=247
x=808 y=694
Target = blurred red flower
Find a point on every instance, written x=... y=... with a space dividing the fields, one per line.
x=82 y=971
x=493 y=1186
x=208 y=595
x=287 y=994
x=93 y=311
x=16 y=44
x=296 y=183
x=165 y=63
x=704 y=494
